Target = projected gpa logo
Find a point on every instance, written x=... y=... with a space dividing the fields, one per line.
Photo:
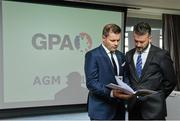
x=83 y=37
x=81 y=42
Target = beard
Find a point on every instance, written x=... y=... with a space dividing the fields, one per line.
x=141 y=49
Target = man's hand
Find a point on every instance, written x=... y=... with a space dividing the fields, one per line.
x=119 y=94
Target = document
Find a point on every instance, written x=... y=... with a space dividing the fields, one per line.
x=128 y=90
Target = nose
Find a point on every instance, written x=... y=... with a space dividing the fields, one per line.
x=116 y=43
x=138 y=44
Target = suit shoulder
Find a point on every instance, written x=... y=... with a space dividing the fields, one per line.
x=160 y=51
x=130 y=51
x=93 y=50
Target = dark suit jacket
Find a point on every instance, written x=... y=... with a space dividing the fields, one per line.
x=158 y=75
x=99 y=72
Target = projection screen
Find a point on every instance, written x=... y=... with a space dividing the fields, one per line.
x=42 y=50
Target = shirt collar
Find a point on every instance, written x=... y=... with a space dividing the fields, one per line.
x=105 y=48
x=146 y=50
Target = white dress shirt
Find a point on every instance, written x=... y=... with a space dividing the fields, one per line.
x=116 y=61
x=144 y=55
x=114 y=56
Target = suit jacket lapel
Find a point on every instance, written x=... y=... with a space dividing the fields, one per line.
x=106 y=58
x=119 y=59
x=148 y=60
x=132 y=66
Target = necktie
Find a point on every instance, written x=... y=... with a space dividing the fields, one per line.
x=114 y=63
x=139 y=65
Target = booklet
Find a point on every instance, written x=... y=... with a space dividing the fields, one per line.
x=128 y=90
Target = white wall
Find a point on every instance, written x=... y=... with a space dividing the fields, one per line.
x=173 y=106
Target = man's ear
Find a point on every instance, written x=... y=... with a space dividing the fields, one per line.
x=103 y=37
x=150 y=39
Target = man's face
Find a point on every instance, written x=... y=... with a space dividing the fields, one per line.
x=112 y=41
x=141 y=41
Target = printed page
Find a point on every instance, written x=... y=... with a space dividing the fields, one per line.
x=127 y=89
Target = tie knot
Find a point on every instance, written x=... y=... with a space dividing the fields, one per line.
x=139 y=55
x=111 y=52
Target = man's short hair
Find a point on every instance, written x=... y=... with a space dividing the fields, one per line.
x=142 y=28
x=110 y=28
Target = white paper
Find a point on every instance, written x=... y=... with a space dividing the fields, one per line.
x=118 y=87
x=127 y=89
x=124 y=85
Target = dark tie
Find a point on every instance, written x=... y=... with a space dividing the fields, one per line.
x=114 y=63
x=139 y=65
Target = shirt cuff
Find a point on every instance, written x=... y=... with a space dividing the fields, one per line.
x=111 y=94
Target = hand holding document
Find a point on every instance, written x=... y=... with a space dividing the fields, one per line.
x=128 y=90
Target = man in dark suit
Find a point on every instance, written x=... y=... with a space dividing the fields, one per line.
x=150 y=68
x=102 y=64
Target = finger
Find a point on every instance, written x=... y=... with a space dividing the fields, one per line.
x=124 y=96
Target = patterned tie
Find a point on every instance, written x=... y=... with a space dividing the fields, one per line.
x=114 y=63
x=139 y=65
